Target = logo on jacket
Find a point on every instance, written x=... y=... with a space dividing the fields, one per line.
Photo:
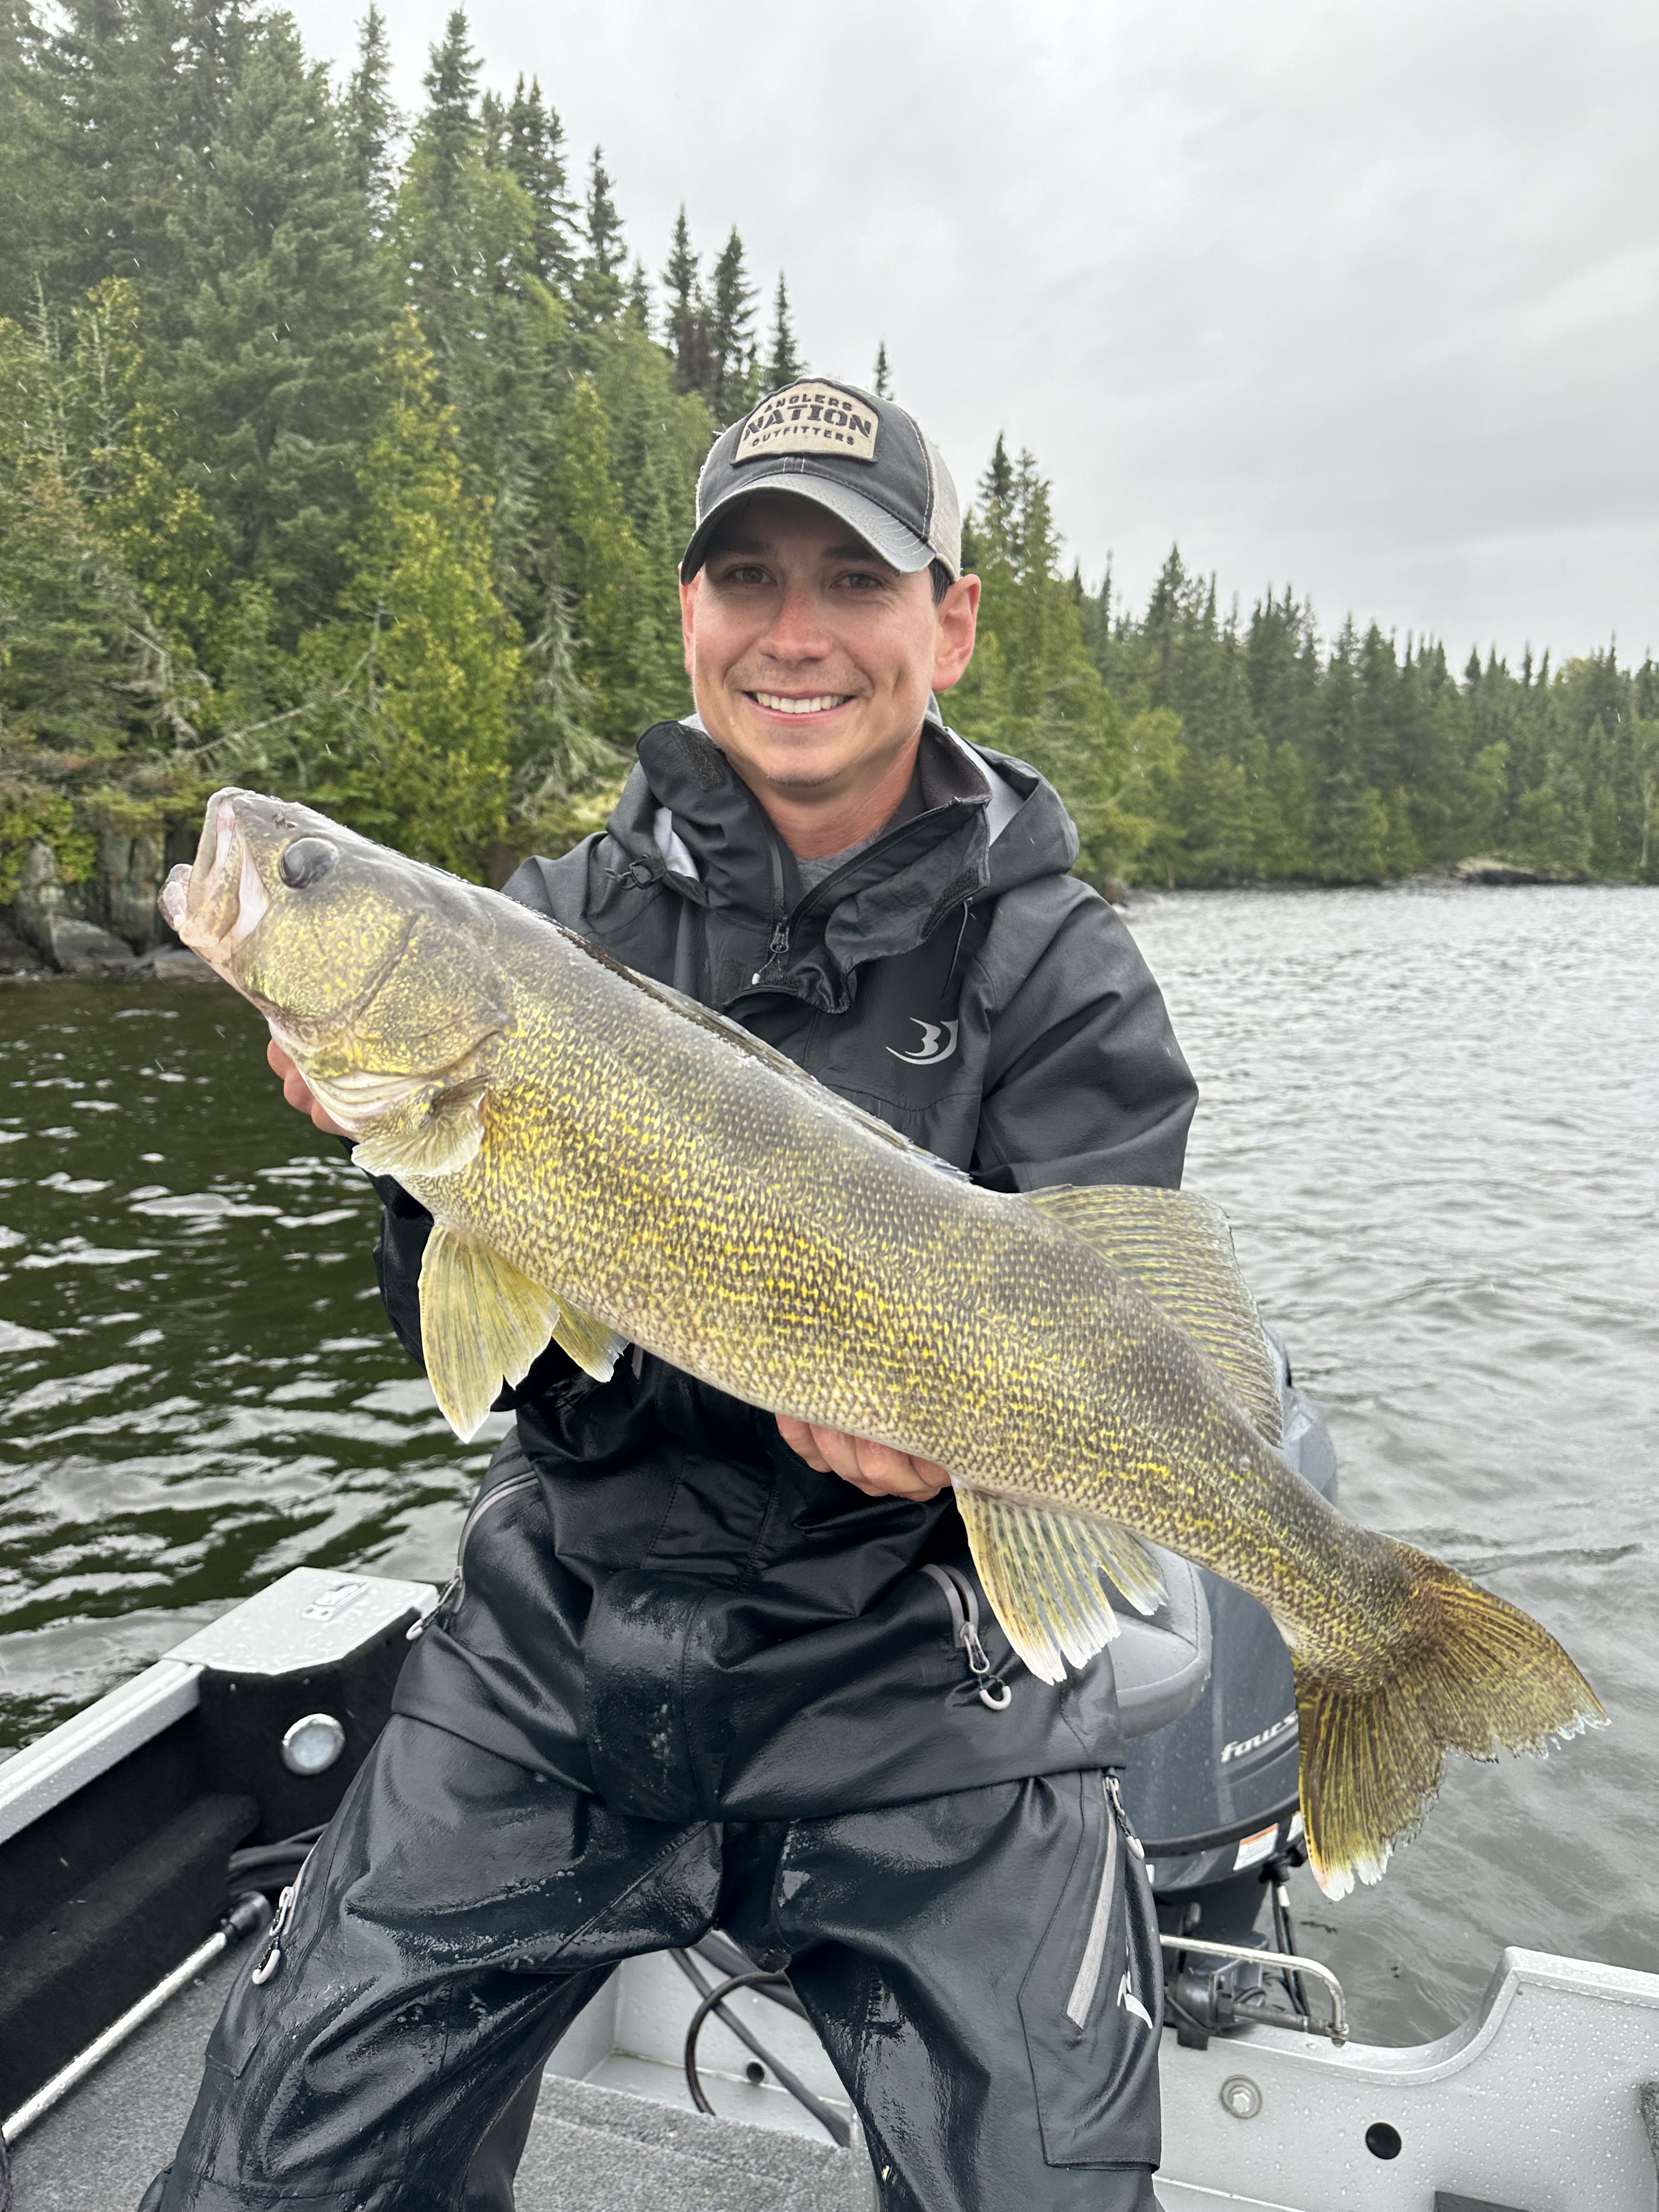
x=938 y=1042
x=1130 y=2002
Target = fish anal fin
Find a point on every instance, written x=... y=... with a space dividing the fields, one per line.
x=436 y=1132
x=1042 y=1572
x=592 y=1344
x=483 y=1322
x=1177 y=1250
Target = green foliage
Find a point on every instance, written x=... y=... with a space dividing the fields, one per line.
x=365 y=468
x=784 y=364
x=407 y=730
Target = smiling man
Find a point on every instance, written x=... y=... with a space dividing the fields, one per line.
x=700 y=1668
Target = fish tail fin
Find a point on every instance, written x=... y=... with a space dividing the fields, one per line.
x=1463 y=1671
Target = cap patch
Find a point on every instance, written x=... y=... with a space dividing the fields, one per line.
x=809 y=418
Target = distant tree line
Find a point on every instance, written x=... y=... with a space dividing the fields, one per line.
x=352 y=453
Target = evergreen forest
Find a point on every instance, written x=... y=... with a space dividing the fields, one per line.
x=349 y=453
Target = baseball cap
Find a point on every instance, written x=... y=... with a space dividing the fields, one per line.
x=863 y=459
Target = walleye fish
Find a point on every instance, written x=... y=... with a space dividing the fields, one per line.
x=607 y=1164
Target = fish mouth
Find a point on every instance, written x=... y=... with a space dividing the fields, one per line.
x=218 y=902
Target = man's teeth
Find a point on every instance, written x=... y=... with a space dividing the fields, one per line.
x=821 y=705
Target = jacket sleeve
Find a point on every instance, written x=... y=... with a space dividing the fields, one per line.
x=405 y=1225
x=1085 y=1082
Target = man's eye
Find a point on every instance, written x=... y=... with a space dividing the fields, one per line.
x=863 y=579
x=749 y=573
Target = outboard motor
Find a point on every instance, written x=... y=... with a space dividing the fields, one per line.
x=1213 y=1795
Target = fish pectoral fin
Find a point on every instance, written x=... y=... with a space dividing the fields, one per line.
x=483 y=1322
x=1042 y=1571
x=592 y=1344
x=436 y=1134
x=1177 y=1250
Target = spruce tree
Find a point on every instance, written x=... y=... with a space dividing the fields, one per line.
x=732 y=335
x=32 y=185
x=408 y=735
x=784 y=364
x=882 y=387
x=599 y=291
x=133 y=468
x=535 y=154
x=688 y=332
x=274 y=372
x=372 y=123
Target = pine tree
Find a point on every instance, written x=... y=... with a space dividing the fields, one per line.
x=689 y=334
x=784 y=364
x=372 y=123
x=133 y=467
x=600 y=292
x=882 y=387
x=140 y=94
x=638 y=309
x=732 y=335
x=32 y=182
x=535 y=155
x=408 y=735
x=274 y=372
x=86 y=678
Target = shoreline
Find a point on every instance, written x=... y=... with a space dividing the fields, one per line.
x=96 y=955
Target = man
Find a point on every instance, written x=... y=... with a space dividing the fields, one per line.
x=698 y=1667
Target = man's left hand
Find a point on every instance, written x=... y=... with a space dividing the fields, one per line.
x=875 y=1469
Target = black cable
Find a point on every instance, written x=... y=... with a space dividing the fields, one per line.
x=713 y=2000
x=720 y=1953
x=275 y=1860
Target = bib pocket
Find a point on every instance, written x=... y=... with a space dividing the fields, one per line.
x=1091 y=2001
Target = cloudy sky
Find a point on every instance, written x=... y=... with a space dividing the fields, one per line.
x=1361 y=297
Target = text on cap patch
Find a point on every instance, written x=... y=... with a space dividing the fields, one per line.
x=809 y=418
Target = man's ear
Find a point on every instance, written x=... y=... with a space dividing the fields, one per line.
x=688 y=613
x=955 y=625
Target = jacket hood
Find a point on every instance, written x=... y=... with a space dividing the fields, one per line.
x=687 y=821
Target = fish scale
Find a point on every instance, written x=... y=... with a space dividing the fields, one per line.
x=606 y=1164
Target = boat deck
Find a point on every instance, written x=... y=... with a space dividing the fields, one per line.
x=592 y=2149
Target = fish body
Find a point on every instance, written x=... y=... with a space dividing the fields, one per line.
x=607 y=1164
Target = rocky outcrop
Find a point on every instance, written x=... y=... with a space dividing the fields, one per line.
x=1493 y=868
x=103 y=924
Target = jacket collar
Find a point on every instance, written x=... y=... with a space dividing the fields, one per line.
x=684 y=805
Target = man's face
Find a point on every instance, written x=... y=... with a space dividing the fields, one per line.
x=811 y=659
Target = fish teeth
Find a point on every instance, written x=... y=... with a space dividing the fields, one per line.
x=820 y=704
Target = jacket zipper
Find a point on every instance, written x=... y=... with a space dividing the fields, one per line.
x=271 y=1957
x=1082 y=1998
x=455 y=1589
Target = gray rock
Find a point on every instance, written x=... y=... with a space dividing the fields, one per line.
x=1492 y=870
x=176 y=964
x=81 y=948
x=18 y=958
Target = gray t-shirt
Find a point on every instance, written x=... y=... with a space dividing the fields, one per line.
x=811 y=873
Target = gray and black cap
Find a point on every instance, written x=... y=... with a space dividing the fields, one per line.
x=862 y=458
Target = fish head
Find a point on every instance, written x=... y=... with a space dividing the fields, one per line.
x=374 y=971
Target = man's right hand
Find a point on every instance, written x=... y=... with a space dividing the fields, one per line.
x=297 y=1092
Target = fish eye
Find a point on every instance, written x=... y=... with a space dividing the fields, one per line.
x=307 y=861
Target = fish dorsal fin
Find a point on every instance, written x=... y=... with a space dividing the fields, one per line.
x=483 y=1321
x=745 y=1041
x=1178 y=1250
x=437 y=1132
x=1042 y=1572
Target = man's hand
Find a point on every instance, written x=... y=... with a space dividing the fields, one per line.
x=875 y=1469
x=297 y=1092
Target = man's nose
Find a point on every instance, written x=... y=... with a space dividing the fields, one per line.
x=797 y=630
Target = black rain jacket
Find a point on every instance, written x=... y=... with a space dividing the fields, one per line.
x=658 y=1601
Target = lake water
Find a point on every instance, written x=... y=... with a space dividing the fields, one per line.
x=1431 y=1113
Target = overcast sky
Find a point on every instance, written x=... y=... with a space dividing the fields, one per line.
x=1363 y=298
